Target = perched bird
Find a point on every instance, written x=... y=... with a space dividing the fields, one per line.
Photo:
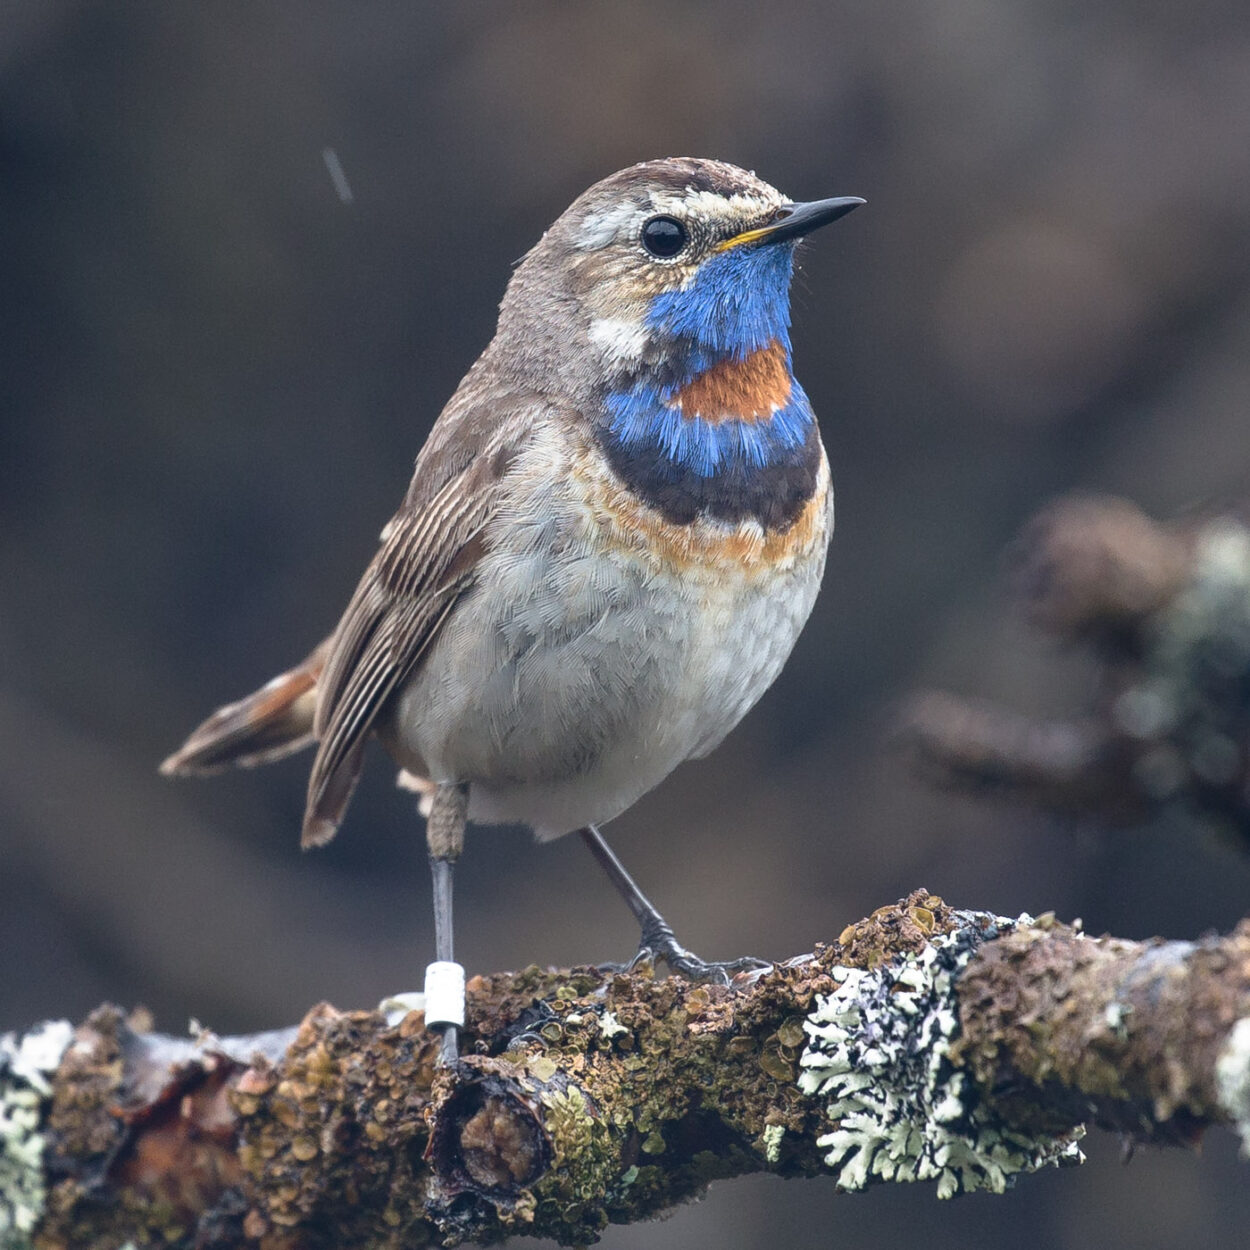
x=614 y=533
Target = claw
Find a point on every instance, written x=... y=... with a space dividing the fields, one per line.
x=718 y=972
x=688 y=965
x=658 y=944
x=643 y=959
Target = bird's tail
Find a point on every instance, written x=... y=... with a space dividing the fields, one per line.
x=275 y=721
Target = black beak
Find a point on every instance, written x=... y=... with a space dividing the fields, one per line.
x=795 y=220
x=801 y=219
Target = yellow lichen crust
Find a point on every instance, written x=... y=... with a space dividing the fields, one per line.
x=332 y=1139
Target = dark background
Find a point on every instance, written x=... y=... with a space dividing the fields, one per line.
x=215 y=374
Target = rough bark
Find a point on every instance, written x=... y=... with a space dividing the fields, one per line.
x=925 y=1043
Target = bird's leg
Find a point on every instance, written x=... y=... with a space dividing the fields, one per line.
x=444 y=979
x=657 y=940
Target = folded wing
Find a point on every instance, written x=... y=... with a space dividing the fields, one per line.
x=427 y=560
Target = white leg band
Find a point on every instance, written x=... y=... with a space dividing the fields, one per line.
x=444 y=993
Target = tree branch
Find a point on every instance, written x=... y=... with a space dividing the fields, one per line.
x=925 y=1043
x=1165 y=611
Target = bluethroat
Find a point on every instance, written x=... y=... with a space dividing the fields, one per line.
x=613 y=536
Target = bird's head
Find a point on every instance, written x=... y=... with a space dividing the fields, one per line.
x=670 y=265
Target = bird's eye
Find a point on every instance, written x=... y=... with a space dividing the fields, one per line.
x=664 y=237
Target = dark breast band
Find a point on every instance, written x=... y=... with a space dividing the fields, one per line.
x=773 y=494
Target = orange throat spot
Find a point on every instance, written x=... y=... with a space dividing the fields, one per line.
x=751 y=389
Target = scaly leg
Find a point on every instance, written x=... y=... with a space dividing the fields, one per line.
x=657 y=940
x=444 y=979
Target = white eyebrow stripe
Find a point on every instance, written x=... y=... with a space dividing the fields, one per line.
x=711 y=204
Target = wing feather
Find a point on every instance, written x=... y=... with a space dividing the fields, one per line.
x=427 y=559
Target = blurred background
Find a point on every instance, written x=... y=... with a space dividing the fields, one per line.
x=217 y=365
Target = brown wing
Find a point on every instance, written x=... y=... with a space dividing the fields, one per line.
x=428 y=557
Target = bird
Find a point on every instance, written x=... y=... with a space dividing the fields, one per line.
x=613 y=536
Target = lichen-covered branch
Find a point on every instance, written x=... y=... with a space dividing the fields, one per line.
x=1165 y=609
x=924 y=1044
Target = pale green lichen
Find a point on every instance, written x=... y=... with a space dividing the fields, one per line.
x=879 y=1049
x=583 y=1171
x=610 y=1026
x=26 y=1067
x=569 y=1122
x=1232 y=1080
x=773 y=1133
x=1116 y=1016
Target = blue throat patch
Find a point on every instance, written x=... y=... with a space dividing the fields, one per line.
x=760 y=464
x=738 y=302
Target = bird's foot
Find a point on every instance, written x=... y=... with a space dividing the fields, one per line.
x=659 y=944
